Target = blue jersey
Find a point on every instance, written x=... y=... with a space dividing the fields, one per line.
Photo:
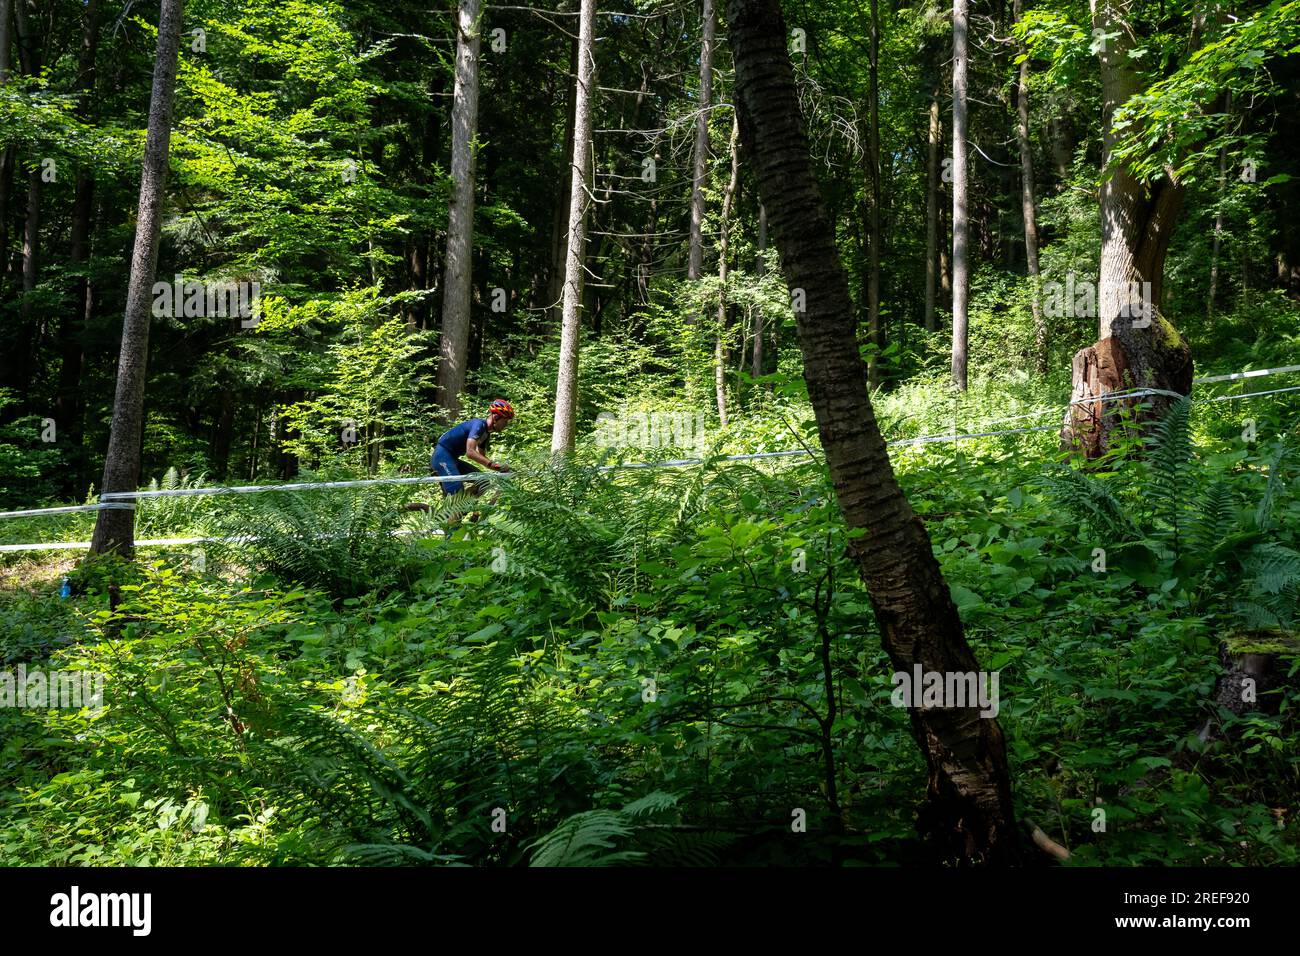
x=456 y=439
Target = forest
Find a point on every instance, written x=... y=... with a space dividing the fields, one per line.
x=629 y=433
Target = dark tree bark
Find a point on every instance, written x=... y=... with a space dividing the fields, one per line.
x=115 y=528
x=454 y=344
x=969 y=808
x=1136 y=345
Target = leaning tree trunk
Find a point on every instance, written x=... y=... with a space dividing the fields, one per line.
x=960 y=221
x=566 y=388
x=115 y=528
x=969 y=806
x=454 y=343
x=1136 y=347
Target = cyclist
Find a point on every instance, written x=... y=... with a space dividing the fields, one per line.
x=468 y=440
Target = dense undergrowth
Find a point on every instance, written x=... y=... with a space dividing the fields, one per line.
x=670 y=667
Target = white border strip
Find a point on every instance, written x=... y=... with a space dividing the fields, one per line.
x=119 y=499
x=1252 y=373
x=168 y=542
x=112 y=506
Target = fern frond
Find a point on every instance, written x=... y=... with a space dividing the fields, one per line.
x=1169 y=461
x=1213 y=517
x=1271 y=568
x=1090 y=500
x=586 y=839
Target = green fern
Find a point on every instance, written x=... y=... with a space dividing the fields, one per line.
x=1090 y=500
x=1264 y=512
x=344 y=543
x=1213 y=519
x=594 y=838
x=586 y=839
x=1272 y=568
x=1169 y=464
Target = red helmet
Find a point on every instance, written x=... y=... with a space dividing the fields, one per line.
x=503 y=408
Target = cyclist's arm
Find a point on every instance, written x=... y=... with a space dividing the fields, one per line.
x=474 y=455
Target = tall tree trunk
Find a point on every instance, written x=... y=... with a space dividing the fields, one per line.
x=640 y=255
x=1027 y=208
x=720 y=347
x=454 y=344
x=874 y=326
x=1217 y=244
x=566 y=388
x=960 y=224
x=224 y=434
x=1136 y=345
x=418 y=252
x=26 y=337
x=560 y=219
x=945 y=257
x=115 y=528
x=1062 y=148
x=932 y=215
x=67 y=403
x=6 y=157
x=756 y=369
x=969 y=808
x=695 y=260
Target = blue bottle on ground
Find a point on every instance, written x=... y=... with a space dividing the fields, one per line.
x=65 y=589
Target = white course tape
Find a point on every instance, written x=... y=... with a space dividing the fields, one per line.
x=170 y=542
x=113 y=506
x=299 y=486
x=1252 y=373
x=1233 y=398
x=120 y=499
x=949 y=437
